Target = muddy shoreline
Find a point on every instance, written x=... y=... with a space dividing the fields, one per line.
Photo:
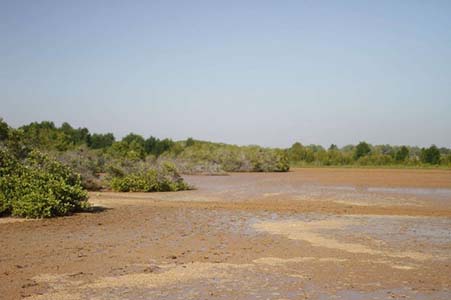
x=306 y=234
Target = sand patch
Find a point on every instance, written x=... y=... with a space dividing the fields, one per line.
x=7 y=220
x=271 y=194
x=181 y=273
x=63 y=287
x=355 y=203
x=276 y=261
x=311 y=232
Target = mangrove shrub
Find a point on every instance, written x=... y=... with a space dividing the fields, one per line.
x=38 y=187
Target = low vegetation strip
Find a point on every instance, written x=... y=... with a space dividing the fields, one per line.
x=54 y=166
x=98 y=157
x=213 y=158
x=165 y=178
x=364 y=154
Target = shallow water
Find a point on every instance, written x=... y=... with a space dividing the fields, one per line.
x=399 y=293
x=262 y=186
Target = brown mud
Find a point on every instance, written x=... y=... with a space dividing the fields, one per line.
x=306 y=234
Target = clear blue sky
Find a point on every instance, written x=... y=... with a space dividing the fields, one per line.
x=244 y=72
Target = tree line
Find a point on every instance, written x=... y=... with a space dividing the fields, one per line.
x=365 y=154
x=47 y=136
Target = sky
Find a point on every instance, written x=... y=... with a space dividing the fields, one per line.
x=242 y=72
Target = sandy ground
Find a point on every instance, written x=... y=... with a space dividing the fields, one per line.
x=306 y=234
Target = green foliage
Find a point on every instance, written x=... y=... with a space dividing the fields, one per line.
x=447 y=160
x=92 y=155
x=375 y=159
x=430 y=155
x=133 y=138
x=296 y=152
x=101 y=141
x=215 y=158
x=75 y=136
x=38 y=187
x=333 y=147
x=150 y=144
x=4 y=129
x=133 y=150
x=402 y=154
x=134 y=146
x=46 y=136
x=16 y=144
x=190 y=142
x=367 y=155
x=157 y=147
x=165 y=178
x=316 y=155
x=361 y=150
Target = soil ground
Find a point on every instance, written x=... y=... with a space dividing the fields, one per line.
x=305 y=234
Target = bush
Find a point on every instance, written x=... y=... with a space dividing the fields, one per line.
x=86 y=162
x=38 y=187
x=214 y=158
x=430 y=155
x=402 y=154
x=361 y=150
x=164 y=178
x=101 y=141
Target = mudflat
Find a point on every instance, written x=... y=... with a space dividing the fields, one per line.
x=305 y=234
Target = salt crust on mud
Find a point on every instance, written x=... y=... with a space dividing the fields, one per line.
x=193 y=271
x=276 y=261
x=308 y=231
x=63 y=288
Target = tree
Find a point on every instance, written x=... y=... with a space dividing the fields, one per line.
x=150 y=144
x=402 y=154
x=136 y=150
x=430 y=155
x=333 y=147
x=163 y=146
x=189 y=142
x=101 y=141
x=362 y=149
x=132 y=137
x=4 y=129
x=296 y=152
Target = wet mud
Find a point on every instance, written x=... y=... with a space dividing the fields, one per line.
x=306 y=234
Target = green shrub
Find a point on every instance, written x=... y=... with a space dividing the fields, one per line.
x=361 y=150
x=215 y=158
x=164 y=178
x=430 y=155
x=100 y=141
x=38 y=187
x=402 y=154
